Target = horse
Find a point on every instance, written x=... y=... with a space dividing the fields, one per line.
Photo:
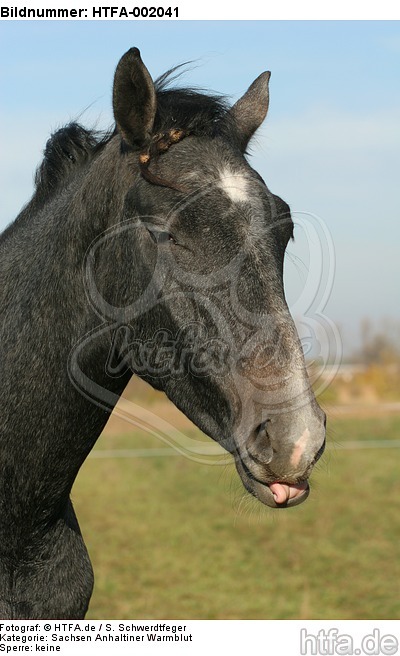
x=158 y=226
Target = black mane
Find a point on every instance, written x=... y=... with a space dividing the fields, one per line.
x=193 y=110
x=66 y=150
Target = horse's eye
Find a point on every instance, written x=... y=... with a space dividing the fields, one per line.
x=161 y=237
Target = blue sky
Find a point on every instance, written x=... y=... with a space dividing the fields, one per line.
x=330 y=145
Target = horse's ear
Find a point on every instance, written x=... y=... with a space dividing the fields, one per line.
x=251 y=109
x=134 y=99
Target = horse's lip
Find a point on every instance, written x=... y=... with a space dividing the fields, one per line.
x=263 y=493
x=302 y=491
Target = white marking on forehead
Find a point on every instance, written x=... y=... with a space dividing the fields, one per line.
x=235 y=185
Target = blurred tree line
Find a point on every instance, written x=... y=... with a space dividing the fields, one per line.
x=371 y=374
x=378 y=356
x=379 y=346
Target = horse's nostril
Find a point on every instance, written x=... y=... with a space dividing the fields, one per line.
x=263 y=428
x=258 y=445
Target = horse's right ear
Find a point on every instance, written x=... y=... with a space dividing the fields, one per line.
x=134 y=99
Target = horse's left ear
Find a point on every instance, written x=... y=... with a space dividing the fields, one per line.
x=251 y=109
x=134 y=99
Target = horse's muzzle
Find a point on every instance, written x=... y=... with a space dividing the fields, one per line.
x=275 y=495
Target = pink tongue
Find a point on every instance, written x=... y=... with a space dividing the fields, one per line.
x=283 y=491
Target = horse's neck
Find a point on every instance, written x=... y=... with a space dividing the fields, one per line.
x=50 y=420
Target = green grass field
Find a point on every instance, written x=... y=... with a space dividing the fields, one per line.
x=171 y=538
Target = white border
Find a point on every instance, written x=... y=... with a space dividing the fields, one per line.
x=225 y=9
